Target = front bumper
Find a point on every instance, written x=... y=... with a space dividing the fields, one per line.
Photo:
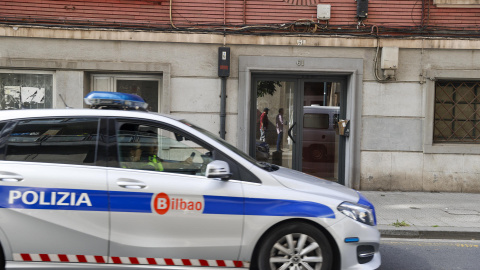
x=358 y=244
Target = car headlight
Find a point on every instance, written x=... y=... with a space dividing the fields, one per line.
x=357 y=212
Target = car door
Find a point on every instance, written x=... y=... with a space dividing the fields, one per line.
x=53 y=199
x=170 y=213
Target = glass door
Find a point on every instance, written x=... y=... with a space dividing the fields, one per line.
x=320 y=141
x=296 y=124
x=275 y=116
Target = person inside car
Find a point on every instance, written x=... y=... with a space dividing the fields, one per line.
x=150 y=156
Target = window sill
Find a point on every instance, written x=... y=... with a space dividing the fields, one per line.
x=457 y=3
x=445 y=148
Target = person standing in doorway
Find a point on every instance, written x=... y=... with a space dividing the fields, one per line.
x=263 y=124
x=279 y=125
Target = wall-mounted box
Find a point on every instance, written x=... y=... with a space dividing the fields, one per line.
x=323 y=11
x=362 y=8
x=223 y=61
x=389 y=58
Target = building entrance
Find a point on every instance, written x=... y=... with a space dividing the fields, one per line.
x=296 y=123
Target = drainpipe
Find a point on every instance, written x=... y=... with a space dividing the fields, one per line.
x=244 y=12
x=223 y=107
x=223 y=73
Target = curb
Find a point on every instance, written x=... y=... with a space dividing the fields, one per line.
x=450 y=233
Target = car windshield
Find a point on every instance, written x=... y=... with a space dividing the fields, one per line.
x=264 y=165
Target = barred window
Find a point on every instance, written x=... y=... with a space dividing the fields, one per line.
x=457 y=112
x=20 y=90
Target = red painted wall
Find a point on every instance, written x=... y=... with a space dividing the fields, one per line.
x=234 y=13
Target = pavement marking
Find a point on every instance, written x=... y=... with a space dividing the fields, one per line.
x=436 y=243
x=467 y=245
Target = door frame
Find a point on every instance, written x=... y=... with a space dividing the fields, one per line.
x=351 y=68
x=299 y=81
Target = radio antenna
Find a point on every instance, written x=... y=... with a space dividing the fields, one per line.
x=65 y=103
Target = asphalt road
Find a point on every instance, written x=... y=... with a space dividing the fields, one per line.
x=426 y=254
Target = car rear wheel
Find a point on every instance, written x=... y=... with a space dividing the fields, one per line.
x=295 y=246
x=318 y=152
x=2 y=258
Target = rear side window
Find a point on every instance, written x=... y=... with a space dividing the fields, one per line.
x=60 y=140
x=317 y=121
x=2 y=125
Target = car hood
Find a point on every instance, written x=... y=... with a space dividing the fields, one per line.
x=306 y=183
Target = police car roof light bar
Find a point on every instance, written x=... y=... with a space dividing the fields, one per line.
x=115 y=101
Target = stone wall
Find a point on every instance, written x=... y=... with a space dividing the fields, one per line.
x=393 y=148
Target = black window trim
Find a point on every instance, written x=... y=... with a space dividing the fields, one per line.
x=5 y=133
x=11 y=124
x=217 y=154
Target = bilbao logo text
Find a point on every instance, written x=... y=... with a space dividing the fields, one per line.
x=162 y=203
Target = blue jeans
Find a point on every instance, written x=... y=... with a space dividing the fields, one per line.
x=262 y=135
x=279 y=140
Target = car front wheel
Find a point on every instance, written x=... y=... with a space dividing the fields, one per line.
x=295 y=246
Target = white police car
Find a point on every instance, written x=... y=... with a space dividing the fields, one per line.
x=126 y=189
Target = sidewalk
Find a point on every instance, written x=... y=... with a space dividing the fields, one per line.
x=427 y=214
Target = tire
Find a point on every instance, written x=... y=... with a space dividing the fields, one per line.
x=318 y=152
x=298 y=246
x=2 y=258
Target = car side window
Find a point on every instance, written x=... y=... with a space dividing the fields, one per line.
x=2 y=125
x=316 y=121
x=153 y=148
x=59 y=140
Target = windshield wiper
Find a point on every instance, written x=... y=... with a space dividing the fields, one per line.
x=269 y=167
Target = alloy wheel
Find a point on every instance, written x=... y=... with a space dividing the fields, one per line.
x=296 y=251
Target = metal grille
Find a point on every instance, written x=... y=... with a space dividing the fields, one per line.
x=457 y=112
x=25 y=91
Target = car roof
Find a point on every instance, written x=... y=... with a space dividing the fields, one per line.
x=33 y=113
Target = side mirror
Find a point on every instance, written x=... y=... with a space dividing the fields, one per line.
x=178 y=137
x=218 y=169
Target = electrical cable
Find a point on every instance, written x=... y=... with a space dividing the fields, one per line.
x=375 y=64
x=428 y=15
x=309 y=27
x=171 y=17
x=422 y=22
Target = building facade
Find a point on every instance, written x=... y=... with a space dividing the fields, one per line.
x=400 y=79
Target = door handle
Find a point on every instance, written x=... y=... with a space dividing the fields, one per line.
x=131 y=184
x=290 y=132
x=10 y=177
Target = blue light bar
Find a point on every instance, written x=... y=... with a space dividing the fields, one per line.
x=115 y=100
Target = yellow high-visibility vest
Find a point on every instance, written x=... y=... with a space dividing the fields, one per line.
x=155 y=162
